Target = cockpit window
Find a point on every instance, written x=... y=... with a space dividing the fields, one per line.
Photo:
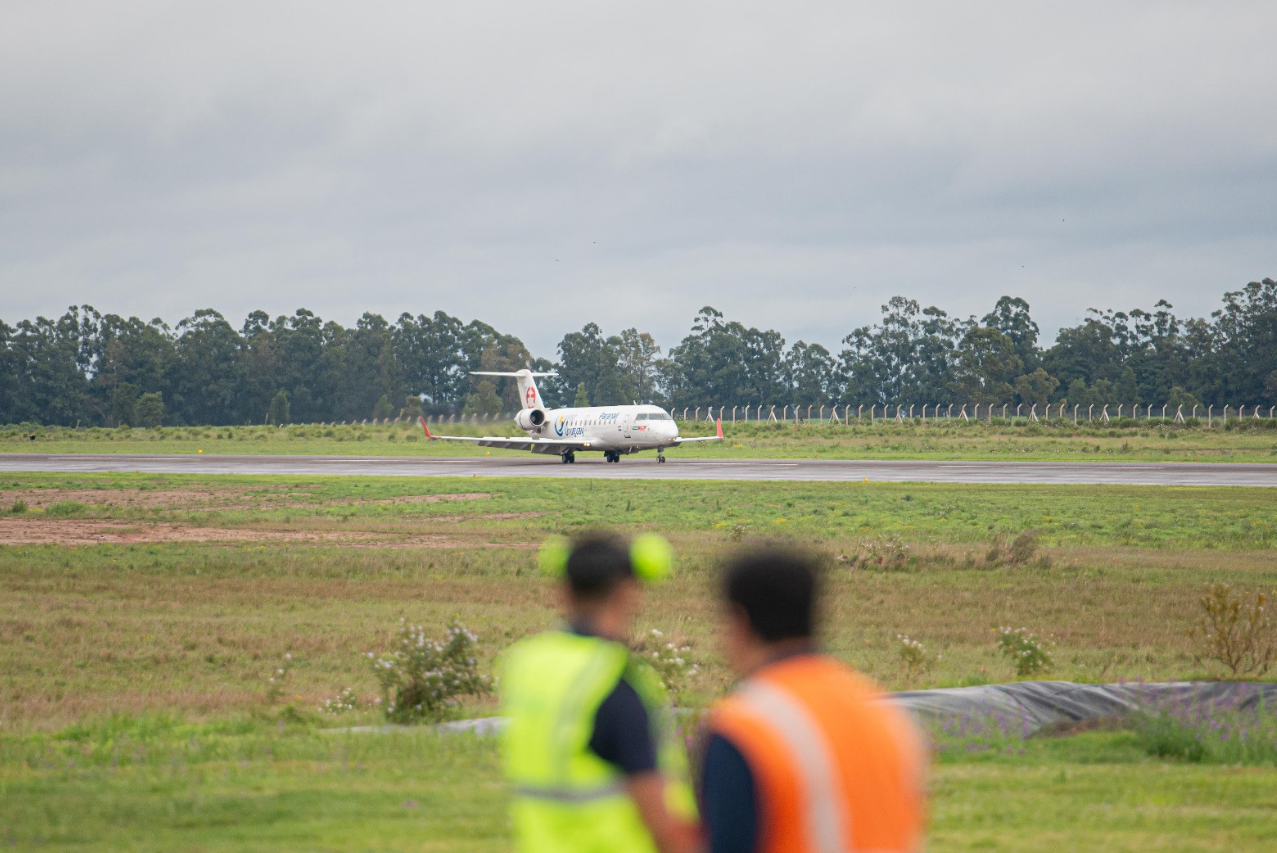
x=658 y=416
x=642 y=416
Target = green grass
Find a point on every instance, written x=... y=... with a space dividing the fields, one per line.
x=133 y=675
x=1128 y=516
x=1125 y=440
x=195 y=627
x=156 y=784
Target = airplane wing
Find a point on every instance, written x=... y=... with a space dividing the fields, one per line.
x=718 y=437
x=536 y=445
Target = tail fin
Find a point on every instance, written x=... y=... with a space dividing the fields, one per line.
x=528 y=393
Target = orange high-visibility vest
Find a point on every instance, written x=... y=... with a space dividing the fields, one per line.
x=836 y=768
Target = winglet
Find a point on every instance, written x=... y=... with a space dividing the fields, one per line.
x=720 y=427
x=426 y=428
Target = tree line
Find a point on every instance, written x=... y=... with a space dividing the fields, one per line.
x=99 y=369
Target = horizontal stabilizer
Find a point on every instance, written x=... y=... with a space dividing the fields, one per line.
x=519 y=374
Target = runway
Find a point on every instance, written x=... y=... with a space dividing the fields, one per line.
x=645 y=468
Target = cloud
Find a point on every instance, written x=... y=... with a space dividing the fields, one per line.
x=542 y=165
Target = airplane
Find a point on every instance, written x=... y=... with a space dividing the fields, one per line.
x=614 y=430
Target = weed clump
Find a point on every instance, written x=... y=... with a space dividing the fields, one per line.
x=887 y=552
x=1020 y=552
x=1235 y=630
x=345 y=701
x=914 y=656
x=672 y=661
x=277 y=682
x=66 y=509
x=1026 y=652
x=18 y=507
x=1208 y=733
x=423 y=679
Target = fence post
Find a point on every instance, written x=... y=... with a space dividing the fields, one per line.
x=1089 y=409
x=771 y=414
x=1119 y=411
x=963 y=413
x=1004 y=410
x=822 y=412
x=1194 y=415
x=1033 y=412
x=1179 y=414
x=733 y=416
x=1164 y=413
x=1076 y=406
x=948 y=413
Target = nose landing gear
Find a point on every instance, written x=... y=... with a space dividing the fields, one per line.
x=660 y=455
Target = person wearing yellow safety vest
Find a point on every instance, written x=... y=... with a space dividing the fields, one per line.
x=804 y=755
x=591 y=750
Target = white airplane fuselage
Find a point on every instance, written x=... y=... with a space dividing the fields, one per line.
x=627 y=429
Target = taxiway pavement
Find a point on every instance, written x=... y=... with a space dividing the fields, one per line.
x=645 y=468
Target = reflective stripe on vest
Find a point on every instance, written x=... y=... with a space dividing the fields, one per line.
x=835 y=768
x=825 y=813
x=570 y=795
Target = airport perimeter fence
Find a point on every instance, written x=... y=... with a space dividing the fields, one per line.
x=840 y=413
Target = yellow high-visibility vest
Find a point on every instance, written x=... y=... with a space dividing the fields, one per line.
x=566 y=798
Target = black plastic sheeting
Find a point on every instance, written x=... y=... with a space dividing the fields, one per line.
x=1030 y=705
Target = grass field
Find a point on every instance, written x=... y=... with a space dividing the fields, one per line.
x=1126 y=440
x=158 y=785
x=141 y=615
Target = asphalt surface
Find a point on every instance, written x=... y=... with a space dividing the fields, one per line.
x=645 y=468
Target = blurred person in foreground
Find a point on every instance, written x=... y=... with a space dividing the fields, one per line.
x=591 y=749
x=804 y=754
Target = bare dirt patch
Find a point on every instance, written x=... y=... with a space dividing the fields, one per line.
x=119 y=498
x=45 y=531
x=430 y=499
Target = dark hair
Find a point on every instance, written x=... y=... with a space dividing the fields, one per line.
x=596 y=565
x=777 y=592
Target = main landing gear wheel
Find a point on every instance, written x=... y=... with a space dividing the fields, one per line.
x=612 y=456
x=569 y=458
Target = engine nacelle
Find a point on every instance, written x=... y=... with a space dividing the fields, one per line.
x=529 y=419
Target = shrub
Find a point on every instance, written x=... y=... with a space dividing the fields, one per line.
x=1021 y=550
x=19 y=506
x=277 y=683
x=672 y=661
x=422 y=679
x=1027 y=653
x=346 y=700
x=1023 y=547
x=914 y=656
x=1235 y=630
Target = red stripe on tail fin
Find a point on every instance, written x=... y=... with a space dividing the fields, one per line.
x=720 y=427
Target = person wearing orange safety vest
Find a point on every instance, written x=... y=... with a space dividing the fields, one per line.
x=804 y=755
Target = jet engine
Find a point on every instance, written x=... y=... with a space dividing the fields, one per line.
x=529 y=419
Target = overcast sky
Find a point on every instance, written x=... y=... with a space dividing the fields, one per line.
x=540 y=165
